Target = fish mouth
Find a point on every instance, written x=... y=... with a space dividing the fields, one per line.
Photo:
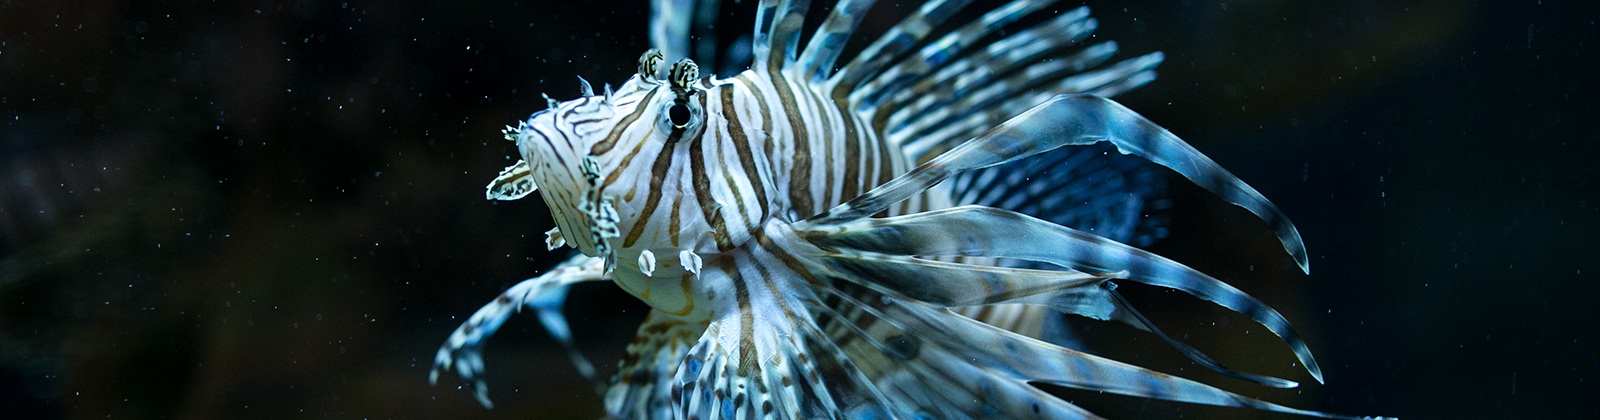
x=558 y=163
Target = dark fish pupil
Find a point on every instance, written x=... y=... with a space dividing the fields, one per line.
x=679 y=115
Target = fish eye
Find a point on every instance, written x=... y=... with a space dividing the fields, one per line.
x=679 y=114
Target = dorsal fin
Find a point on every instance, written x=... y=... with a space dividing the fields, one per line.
x=816 y=64
x=937 y=53
x=777 y=32
x=899 y=39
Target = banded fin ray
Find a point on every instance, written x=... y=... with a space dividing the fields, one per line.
x=957 y=79
x=938 y=131
x=777 y=36
x=991 y=232
x=909 y=70
x=801 y=375
x=896 y=41
x=957 y=285
x=463 y=351
x=642 y=386
x=1025 y=359
x=1075 y=119
x=924 y=379
x=822 y=51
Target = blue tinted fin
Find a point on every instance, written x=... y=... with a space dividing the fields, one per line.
x=899 y=39
x=463 y=351
x=1090 y=188
x=822 y=51
x=777 y=33
x=1078 y=119
x=997 y=233
x=941 y=51
x=642 y=387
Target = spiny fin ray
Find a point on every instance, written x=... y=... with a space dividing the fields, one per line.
x=1075 y=119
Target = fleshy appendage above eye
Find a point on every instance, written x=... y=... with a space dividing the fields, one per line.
x=649 y=64
x=681 y=115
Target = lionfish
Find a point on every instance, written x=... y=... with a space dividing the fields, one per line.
x=878 y=240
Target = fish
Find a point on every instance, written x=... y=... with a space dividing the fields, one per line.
x=881 y=239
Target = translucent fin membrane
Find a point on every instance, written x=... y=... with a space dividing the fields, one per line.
x=1089 y=188
x=935 y=364
x=941 y=129
x=911 y=69
x=996 y=233
x=1074 y=120
x=955 y=80
x=545 y=294
x=923 y=378
x=642 y=387
x=1006 y=354
x=899 y=39
x=952 y=285
x=822 y=51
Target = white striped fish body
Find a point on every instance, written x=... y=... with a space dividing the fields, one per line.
x=797 y=267
x=768 y=148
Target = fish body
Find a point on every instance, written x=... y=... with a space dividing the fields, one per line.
x=792 y=231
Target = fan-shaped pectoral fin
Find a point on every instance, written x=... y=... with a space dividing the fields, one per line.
x=962 y=285
x=545 y=294
x=514 y=182
x=642 y=387
x=1009 y=355
x=990 y=232
x=763 y=356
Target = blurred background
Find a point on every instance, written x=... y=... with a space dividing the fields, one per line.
x=274 y=209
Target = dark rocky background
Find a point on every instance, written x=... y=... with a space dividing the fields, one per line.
x=260 y=209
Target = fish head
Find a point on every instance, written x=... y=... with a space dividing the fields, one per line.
x=594 y=158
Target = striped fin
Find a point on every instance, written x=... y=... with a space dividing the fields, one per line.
x=910 y=70
x=1089 y=188
x=990 y=232
x=899 y=39
x=923 y=378
x=777 y=36
x=957 y=80
x=802 y=375
x=953 y=285
x=1006 y=355
x=514 y=182
x=545 y=294
x=642 y=387
x=822 y=51
x=1007 y=98
x=1074 y=120
x=936 y=364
